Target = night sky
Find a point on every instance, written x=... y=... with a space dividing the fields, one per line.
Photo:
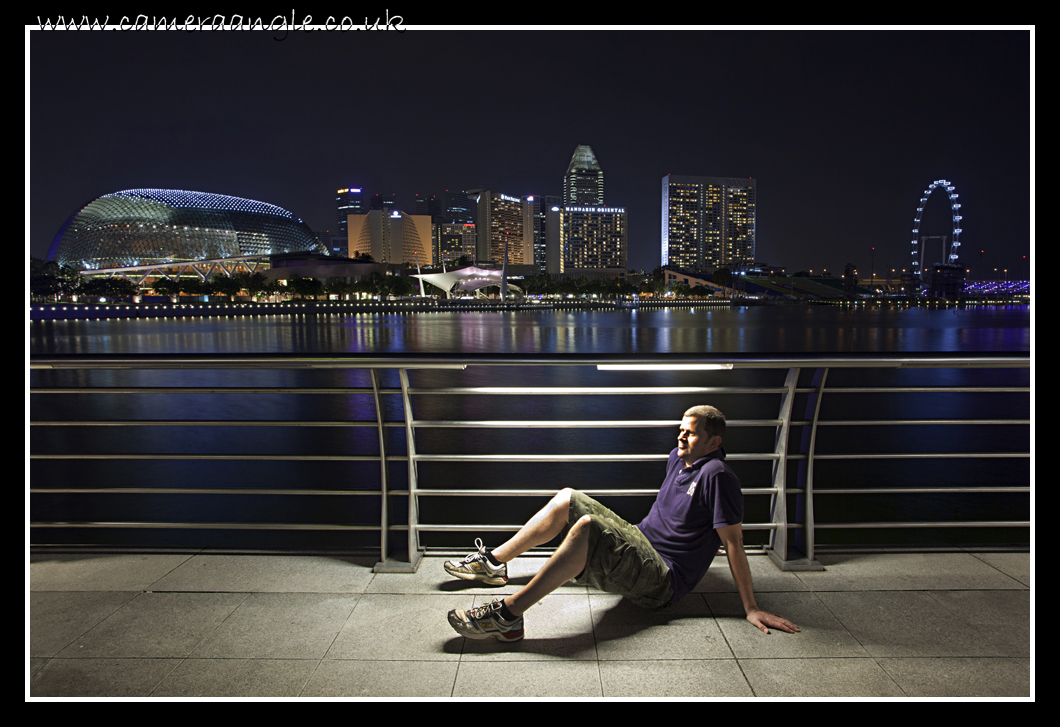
x=843 y=130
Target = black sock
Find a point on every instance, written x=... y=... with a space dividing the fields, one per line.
x=505 y=613
x=493 y=560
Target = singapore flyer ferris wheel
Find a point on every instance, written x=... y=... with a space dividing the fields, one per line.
x=918 y=250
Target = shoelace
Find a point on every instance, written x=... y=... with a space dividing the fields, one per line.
x=486 y=610
x=480 y=554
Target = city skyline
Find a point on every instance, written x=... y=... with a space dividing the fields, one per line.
x=841 y=130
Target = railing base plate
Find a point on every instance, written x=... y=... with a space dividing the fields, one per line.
x=792 y=564
x=400 y=566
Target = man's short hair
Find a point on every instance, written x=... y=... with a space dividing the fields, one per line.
x=710 y=420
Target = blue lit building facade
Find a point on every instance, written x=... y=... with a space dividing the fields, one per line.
x=158 y=226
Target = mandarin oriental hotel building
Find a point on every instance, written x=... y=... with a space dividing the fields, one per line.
x=592 y=237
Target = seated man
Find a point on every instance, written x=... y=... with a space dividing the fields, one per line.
x=654 y=564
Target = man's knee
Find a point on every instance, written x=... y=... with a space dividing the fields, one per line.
x=562 y=498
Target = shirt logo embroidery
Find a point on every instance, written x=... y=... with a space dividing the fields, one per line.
x=691 y=488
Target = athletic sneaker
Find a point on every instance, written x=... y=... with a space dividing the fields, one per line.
x=477 y=567
x=485 y=622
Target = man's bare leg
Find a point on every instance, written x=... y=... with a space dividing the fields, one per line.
x=567 y=562
x=541 y=528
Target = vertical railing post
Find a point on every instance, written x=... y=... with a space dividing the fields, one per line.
x=778 y=507
x=384 y=484
x=804 y=502
x=415 y=552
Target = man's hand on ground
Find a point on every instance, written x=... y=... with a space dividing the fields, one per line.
x=763 y=619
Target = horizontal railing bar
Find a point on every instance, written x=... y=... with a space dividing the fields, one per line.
x=246 y=457
x=951 y=524
x=549 y=493
x=601 y=423
x=570 y=457
x=506 y=423
x=929 y=390
x=201 y=526
x=538 y=391
x=191 y=491
x=594 y=390
x=933 y=455
x=510 y=424
x=913 y=490
x=278 y=362
x=204 y=390
x=932 y=422
x=510 y=528
x=240 y=363
x=205 y=423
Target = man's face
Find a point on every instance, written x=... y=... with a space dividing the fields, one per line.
x=692 y=442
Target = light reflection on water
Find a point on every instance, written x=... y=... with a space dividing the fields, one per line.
x=781 y=329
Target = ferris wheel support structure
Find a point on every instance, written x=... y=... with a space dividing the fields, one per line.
x=955 y=207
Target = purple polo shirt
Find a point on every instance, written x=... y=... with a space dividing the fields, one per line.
x=692 y=503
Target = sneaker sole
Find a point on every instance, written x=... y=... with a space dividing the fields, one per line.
x=513 y=635
x=498 y=581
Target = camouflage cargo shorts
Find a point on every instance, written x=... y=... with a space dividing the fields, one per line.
x=620 y=558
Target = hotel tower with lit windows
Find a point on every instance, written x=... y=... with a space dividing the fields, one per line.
x=708 y=222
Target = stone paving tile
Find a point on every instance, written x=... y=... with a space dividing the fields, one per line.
x=58 y=618
x=268 y=574
x=678 y=678
x=100 y=677
x=386 y=627
x=528 y=679
x=959 y=677
x=686 y=630
x=111 y=572
x=904 y=624
x=382 y=679
x=905 y=572
x=819 y=678
x=820 y=633
x=155 y=625
x=237 y=678
x=279 y=626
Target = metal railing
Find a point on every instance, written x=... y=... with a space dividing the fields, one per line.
x=791 y=539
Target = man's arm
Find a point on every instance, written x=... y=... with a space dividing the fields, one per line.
x=732 y=537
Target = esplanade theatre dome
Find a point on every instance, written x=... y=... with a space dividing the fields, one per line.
x=158 y=226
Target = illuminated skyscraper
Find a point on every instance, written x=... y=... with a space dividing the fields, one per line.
x=708 y=222
x=500 y=224
x=348 y=201
x=391 y=237
x=583 y=184
x=593 y=238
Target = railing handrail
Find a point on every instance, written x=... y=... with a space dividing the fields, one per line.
x=784 y=423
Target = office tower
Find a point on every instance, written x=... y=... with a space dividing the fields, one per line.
x=535 y=227
x=348 y=201
x=453 y=240
x=593 y=238
x=459 y=206
x=707 y=222
x=583 y=184
x=391 y=237
x=386 y=202
x=431 y=206
x=500 y=222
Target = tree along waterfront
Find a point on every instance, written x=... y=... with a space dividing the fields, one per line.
x=51 y=282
